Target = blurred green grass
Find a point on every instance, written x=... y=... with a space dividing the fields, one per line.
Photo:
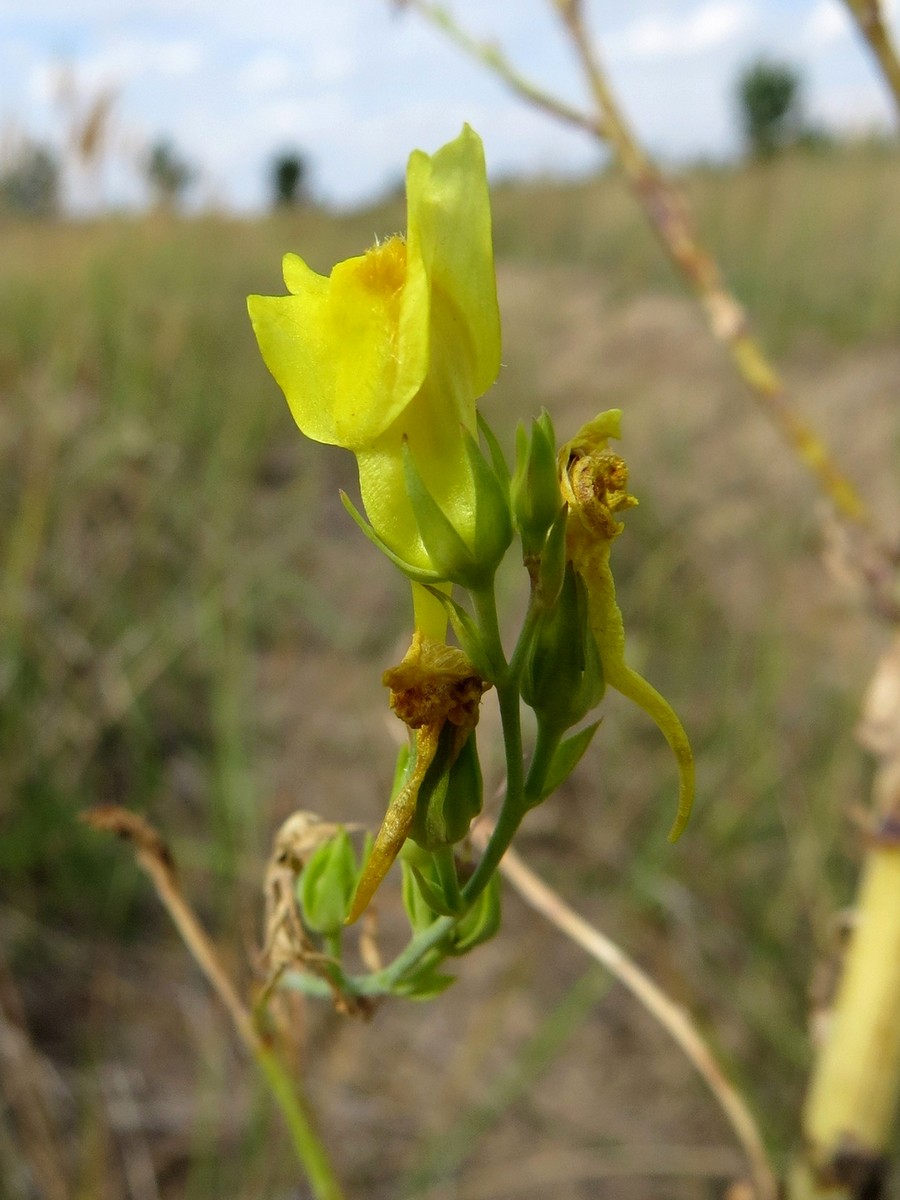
x=163 y=528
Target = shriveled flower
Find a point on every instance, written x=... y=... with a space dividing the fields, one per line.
x=434 y=688
x=594 y=484
x=397 y=345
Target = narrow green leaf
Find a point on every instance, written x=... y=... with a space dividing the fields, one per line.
x=566 y=759
x=417 y=574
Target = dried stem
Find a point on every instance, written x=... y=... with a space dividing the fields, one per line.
x=869 y=17
x=494 y=58
x=668 y=215
x=674 y=1019
x=154 y=856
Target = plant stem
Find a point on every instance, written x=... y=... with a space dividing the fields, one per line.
x=445 y=862
x=869 y=17
x=307 y=1144
x=545 y=747
x=855 y=1088
x=671 y=1016
x=670 y=219
x=507 y=684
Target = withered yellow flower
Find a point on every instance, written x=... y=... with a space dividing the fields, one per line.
x=397 y=344
x=594 y=482
x=434 y=686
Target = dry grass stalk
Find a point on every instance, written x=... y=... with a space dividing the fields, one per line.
x=869 y=17
x=674 y=1019
x=669 y=217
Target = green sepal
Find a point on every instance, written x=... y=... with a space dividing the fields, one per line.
x=468 y=635
x=452 y=558
x=493 y=518
x=565 y=759
x=402 y=769
x=479 y=924
x=327 y=883
x=451 y=794
x=419 y=911
x=425 y=981
x=498 y=459
x=416 y=574
x=534 y=490
x=552 y=571
x=433 y=896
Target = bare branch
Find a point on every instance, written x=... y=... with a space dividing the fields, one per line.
x=673 y=1018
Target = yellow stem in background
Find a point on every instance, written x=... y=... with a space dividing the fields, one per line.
x=869 y=17
x=853 y=1096
x=668 y=215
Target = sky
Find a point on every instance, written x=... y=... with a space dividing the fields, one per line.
x=355 y=84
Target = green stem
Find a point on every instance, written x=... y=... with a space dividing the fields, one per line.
x=445 y=862
x=307 y=1144
x=334 y=944
x=513 y=808
x=545 y=746
x=379 y=983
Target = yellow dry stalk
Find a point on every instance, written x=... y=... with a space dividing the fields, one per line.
x=853 y=1097
x=870 y=17
x=669 y=216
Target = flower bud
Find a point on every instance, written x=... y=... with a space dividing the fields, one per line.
x=535 y=491
x=327 y=884
x=563 y=676
x=451 y=793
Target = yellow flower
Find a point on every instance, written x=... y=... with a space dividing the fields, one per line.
x=396 y=345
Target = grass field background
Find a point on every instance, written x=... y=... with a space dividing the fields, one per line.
x=191 y=626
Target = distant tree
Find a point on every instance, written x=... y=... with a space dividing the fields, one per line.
x=769 y=96
x=29 y=183
x=289 y=180
x=168 y=174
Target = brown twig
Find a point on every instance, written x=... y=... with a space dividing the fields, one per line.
x=494 y=58
x=869 y=18
x=668 y=214
x=154 y=856
x=674 y=1019
x=669 y=217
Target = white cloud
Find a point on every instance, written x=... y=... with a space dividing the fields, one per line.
x=267 y=73
x=121 y=60
x=670 y=36
x=827 y=23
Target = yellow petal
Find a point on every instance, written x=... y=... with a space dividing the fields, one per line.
x=333 y=345
x=450 y=228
